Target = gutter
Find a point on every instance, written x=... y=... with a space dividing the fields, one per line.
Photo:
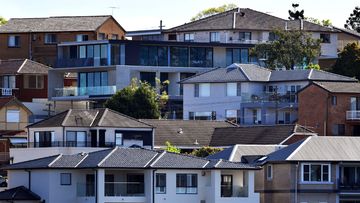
x=153 y=186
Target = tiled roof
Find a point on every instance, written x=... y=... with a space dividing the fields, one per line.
x=20 y=193
x=184 y=132
x=251 y=20
x=256 y=135
x=22 y=66
x=255 y=73
x=339 y=87
x=90 y=118
x=124 y=158
x=54 y=24
x=7 y=100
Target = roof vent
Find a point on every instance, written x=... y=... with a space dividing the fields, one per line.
x=180 y=131
x=196 y=142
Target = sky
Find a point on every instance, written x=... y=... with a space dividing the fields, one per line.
x=146 y=14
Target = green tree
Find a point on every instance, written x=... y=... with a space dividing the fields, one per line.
x=205 y=151
x=313 y=66
x=295 y=14
x=212 y=11
x=325 y=23
x=172 y=148
x=288 y=49
x=138 y=100
x=353 y=22
x=348 y=62
x=2 y=21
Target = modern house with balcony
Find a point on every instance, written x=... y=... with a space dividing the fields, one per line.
x=316 y=169
x=134 y=175
x=36 y=38
x=335 y=110
x=74 y=131
x=249 y=94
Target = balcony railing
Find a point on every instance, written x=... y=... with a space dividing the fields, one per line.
x=289 y=97
x=85 y=189
x=70 y=144
x=124 y=189
x=353 y=115
x=8 y=91
x=85 y=91
x=247 y=41
x=349 y=185
x=81 y=62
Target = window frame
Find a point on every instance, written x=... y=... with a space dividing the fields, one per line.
x=158 y=185
x=309 y=181
x=189 y=37
x=38 y=78
x=269 y=175
x=189 y=176
x=116 y=137
x=216 y=37
x=203 y=93
x=325 y=38
x=50 y=38
x=16 y=41
x=333 y=100
x=17 y=116
x=234 y=92
x=61 y=179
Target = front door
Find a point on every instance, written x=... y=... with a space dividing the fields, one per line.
x=93 y=138
x=226 y=185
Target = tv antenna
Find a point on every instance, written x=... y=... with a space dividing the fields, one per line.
x=112 y=9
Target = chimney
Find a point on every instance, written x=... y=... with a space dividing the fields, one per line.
x=301 y=24
x=234 y=18
x=286 y=25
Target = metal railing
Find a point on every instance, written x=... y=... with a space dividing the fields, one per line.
x=85 y=91
x=348 y=185
x=6 y=91
x=81 y=62
x=247 y=41
x=70 y=144
x=124 y=189
x=353 y=115
x=289 y=97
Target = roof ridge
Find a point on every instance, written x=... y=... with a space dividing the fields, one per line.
x=86 y=155
x=66 y=117
x=298 y=148
x=101 y=119
x=335 y=74
x=53 y=161
x=107 y=156
x=129 y=117
x=47 y=118
x=233 y=151
x=185 y=79
x=157 y=159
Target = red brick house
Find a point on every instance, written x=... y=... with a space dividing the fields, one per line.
x=25 y=79
x=330 y=108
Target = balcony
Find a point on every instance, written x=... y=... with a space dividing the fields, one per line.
x=81 y=62
x=124 y=189
x=349 y=186
x=8 y=91
x=247 y=41
x=69 y=144
x=353 y=115
x=289 y=97
x=85 y=91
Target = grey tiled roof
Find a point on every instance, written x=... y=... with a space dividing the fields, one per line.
x=124 y=158
x=184 y=132
x=339 y=87
x=20 y=193
x=54 y=24
x=252 y=20
x=232 y=165
x=255 y=73
x=90 y=118
x=22 y=66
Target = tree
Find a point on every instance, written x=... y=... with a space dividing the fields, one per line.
x=348 y=62
x=325 y=23
x=138 y=100
x=212 y=11
x=172 y=148
x=288 y=49
x=353 y=22
x=313 y=66
x=295 y=14
x=2 y=21
x=205 y=151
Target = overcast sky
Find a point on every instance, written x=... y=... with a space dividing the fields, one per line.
x=146 y=14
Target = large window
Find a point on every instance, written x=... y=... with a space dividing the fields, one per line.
x=237 y=56
x=204 y=90
x=148 y=77
x=179 y=56
x=7 y=81
x=153 y=56
x=226 y=185
x=325 y=38
x=92 y=79
x=244 y=36
x=65 y=178
x=315 y=172
x=82 y=37
x=135 y=184
x=33 y=81
x=75 y=139
x=160 y=183
x=201 y=57
x=233 y=115
x=211 y=115
x=189 y=37
x=44 y=138
x=12 y=116
x=50 y=39
x=186 y=183
x=13 y=41
x=214 y=37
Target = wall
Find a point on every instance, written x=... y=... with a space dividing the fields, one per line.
x=24 y=118
x=14 y=53
x=111 y=27
x=27 y=95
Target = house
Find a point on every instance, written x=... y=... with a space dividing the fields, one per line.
x=75 y=130
x=36 y=38
x=134 y=175
x=316 y=169
x=346 y=37
x=249 y=94
x=23 y=78
x=335 y=109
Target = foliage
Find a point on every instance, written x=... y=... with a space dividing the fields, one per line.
x=313 y=66
x=348 y=62
x=295 y=14
x=172 y=148
x=289 y=49
x=138 y=100
x=205 y=151
x=2 y=21
x=325 y=23
x=212 y=11
x=353 y=22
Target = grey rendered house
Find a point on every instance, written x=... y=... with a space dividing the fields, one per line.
x=249 y=94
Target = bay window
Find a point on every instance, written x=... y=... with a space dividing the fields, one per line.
x=315 y=172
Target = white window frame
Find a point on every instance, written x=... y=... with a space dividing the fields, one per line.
x=63 y=181
x=12 y=41
x=119 y=136
x=315 y=182
x=215 y=38
x=13 y=116
x=189 y=37
x=202 y=88
x=80 y=37
x=269 y=176
x=231 y=89
x=48 y=38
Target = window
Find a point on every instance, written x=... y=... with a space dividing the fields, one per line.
x=211 y=115
x=82 y=37
x=101 y=36
x=179 y=56
x=50 y=39
x=186 y=183
x=13 y=116
x=7 y=81
x=189 y=37
x=13 y=41
x=273 y=36
x=44 y=138
x=135 y=184
x=256 y=116
x=148 y=77
x=214 y=37
x=204 y=89
x=118 y=139
x=65 y=178
x=75 y=139
x=316 y=172
x=333 y=100
x=338 y=129
x=201 y=57
x=325 y=38
x=269 y=172
x=172 y=37
x=226 y=185
x=33 y=81
x=153 y=56
x=160 y=183
x=231 y=89
x=90 y=185
x=237 y=56
x=244 y=36
x=233 y=116
x=114 y=36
